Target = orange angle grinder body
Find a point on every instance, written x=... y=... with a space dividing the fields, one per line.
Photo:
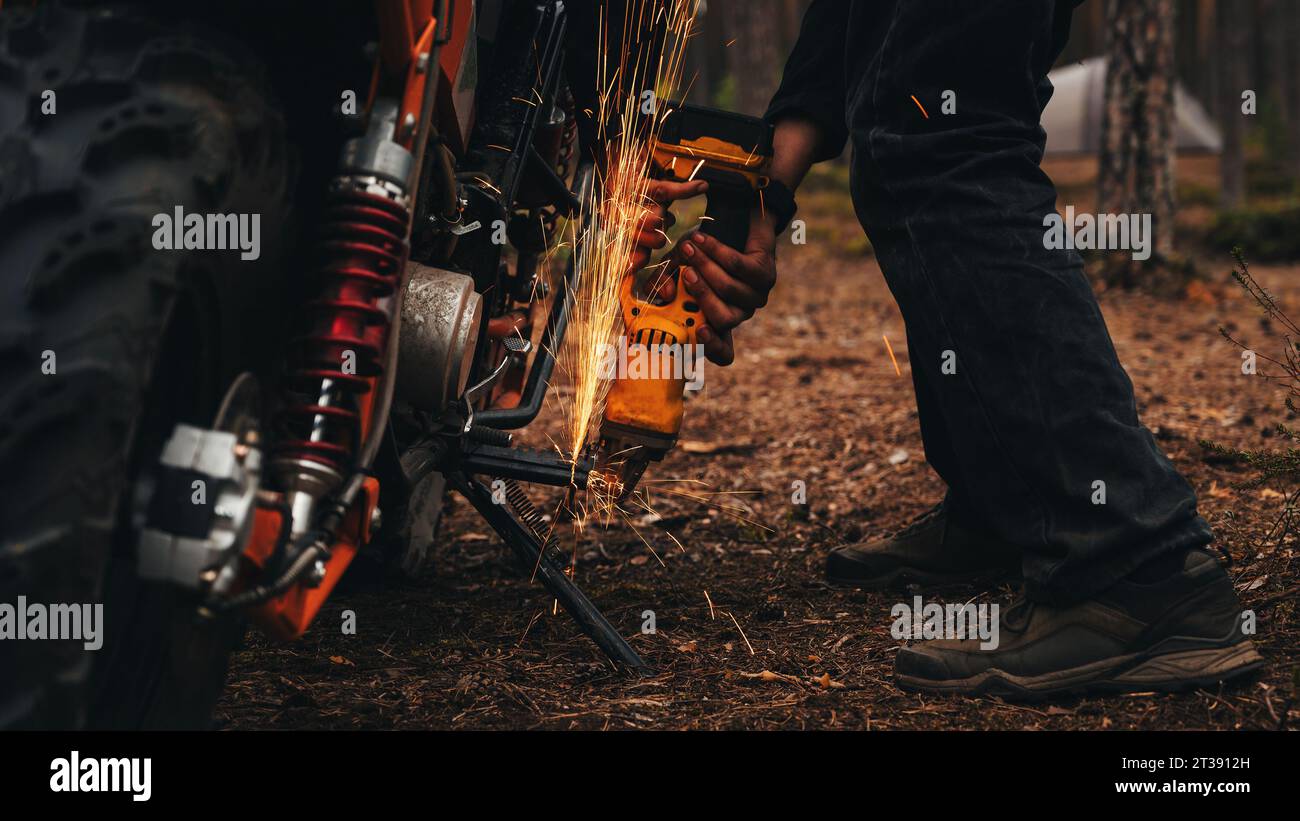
x=644 y=408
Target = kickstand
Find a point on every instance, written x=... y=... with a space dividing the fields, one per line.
x=525 y=544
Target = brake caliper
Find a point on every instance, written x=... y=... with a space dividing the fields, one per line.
x=200 y=511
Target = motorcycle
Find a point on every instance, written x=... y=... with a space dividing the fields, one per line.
x=271 y=288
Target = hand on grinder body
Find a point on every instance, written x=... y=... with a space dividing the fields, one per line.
x=728 y=285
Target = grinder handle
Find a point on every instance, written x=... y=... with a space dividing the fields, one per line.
x=728 y=210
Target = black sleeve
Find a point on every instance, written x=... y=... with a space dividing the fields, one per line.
x=813 y=83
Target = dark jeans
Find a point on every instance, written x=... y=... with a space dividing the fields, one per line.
x=1039 y=408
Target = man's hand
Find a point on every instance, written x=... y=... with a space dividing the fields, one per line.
x=653 y=225
x=729 y=285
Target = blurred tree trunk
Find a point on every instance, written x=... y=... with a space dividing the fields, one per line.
x=1234 y=57
x=1280 y=49
x=754 y=58
x=710 y=44
x=1290 y=24
x=1208 y=41
x=1136 y=166
x=1196 y=50
x=698 y=79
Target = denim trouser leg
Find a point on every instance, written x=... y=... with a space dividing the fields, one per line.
x=942 y=455
x=1037 y=417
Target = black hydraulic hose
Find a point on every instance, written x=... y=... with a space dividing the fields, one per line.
x=379 y=418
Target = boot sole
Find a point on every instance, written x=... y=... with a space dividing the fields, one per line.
x=1141 y=672
x=903 y=577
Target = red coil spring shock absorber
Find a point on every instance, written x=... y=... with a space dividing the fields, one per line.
x=337 y=362
x=365 y=249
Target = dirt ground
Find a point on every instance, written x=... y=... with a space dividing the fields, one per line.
x=813 y=397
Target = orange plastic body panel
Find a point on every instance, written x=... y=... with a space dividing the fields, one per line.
x=658 y=336
x=457 y=78
x=288 y=617
x=416 y=80
x=406 y=32
x=401 y=23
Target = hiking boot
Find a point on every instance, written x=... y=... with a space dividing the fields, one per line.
x=931 y=551
x=1180 y=632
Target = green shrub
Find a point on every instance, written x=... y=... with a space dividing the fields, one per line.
x=1272 y=233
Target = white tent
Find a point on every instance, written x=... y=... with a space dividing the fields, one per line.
x=1073 y=115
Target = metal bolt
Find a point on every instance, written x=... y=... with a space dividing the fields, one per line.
x=422 y=62
x=376 y=519
x=408 y=126
x=317 y=574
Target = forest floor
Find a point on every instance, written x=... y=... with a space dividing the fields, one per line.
x=747 y=632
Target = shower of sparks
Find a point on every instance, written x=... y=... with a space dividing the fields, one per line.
x=602 y=242
x=613 y=208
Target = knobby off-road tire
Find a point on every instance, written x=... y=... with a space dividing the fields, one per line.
x=145 y=119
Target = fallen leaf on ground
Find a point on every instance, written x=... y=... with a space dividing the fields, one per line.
x=1216 y=492
x=768 y=675
x=828 y=683
x=704 y=448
